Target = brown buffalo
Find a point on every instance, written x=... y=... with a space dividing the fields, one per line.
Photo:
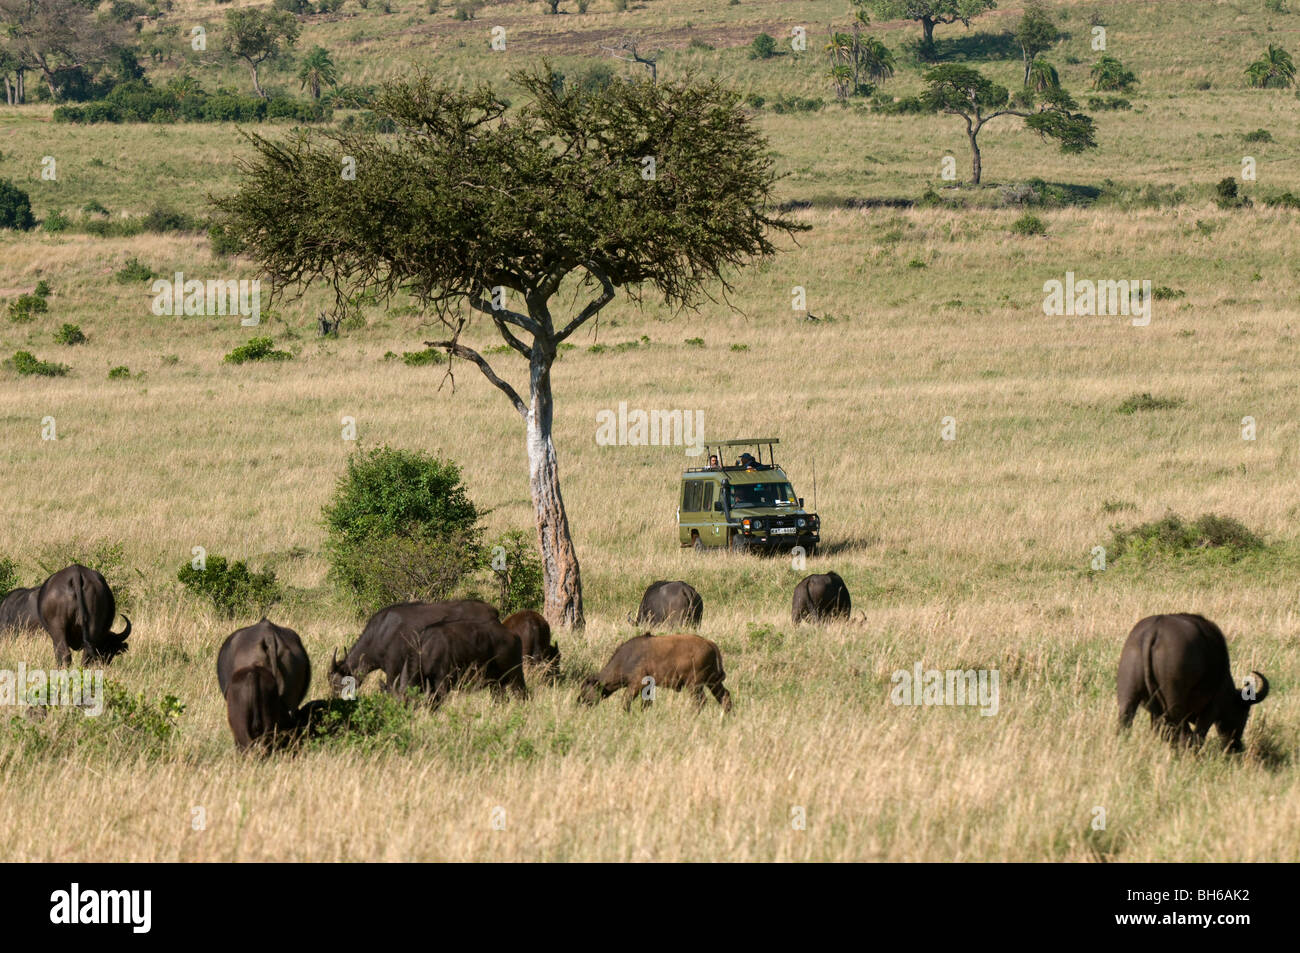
x=670 y=603
x=18 y=611
x=263 y=672
x=77 y=608
x=386 y=639
x=1176 y=666
x=649 y=662
x=820 y=596
x=534 y=636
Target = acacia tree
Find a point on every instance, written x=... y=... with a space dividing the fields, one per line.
x=929 y=13
x=256 y=36
x=47 y=36
x=1035 y=33
x=962 y=91
x=471 y=207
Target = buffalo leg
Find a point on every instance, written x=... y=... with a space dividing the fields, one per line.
x=722 y=695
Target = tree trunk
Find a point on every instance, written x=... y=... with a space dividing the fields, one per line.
x=1025 y=53
x=927 y=25
x=256 y=85
x=9 y=91
x=561 y=578
x=976 y=169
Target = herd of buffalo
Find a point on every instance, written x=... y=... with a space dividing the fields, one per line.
x=1175 y=666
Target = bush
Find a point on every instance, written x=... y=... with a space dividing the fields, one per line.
x=1171 y=535
x=1108 y=102
x=1144 y=401
x=796 y=104
x=1285 y=200
x=1029 y=224
x=15 y=207
x=27 y=364
x=69 y=334
x=8 y=576
x=24 y=308
x=1226 y=194
x=763 y=47
x=56 y=222
x=1109 y=74
x=134 y=271
x=168 y=220
x=422 y=358
x=257 y=349
x=223 y=243
x=399 y=521
x=230 y=587
x=1259 y=135
x=518 y=572
x=119 y=373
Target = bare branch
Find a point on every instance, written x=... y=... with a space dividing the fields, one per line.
x=606 y=296
x=469 y=354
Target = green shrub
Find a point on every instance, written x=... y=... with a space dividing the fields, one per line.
x=422 y=358
x=1172 y=535
x=1226 y=194
x=518 y=572
x=15 y=207
x=223 y=243
x=1259 y=135
x=56 y=222
x=24 y=308
x=230 y=587
x=256 y=349
x=8 y=576
x=695 y=342
x=1165 y=293
x=370 y=722
x=763 y=47
x=1109 y=74
x=399 y=523
x=42 y=289
x=134 y=271
x=1029 y=224
x=26 y=364
x=69 y=334
x=119 y=373
x=1285 y=200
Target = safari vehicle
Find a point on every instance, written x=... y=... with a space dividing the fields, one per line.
x=744 y=505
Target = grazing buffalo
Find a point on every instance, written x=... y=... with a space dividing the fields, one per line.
x=386 y=639
x=468 y=652
x=534 y=636
x=263 y=672
x=666 y=602
x=820 y=596
x=77 y=608
x=1176 y=666
x=649 y=662
x=18 y=611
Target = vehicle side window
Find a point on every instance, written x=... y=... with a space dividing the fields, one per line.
x=707 y=502
x=691 y=497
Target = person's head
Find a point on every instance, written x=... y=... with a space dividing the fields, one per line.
x=713 y=460
x=746 y=460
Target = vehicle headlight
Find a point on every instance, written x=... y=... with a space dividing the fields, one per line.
x=802 y=523
x=758 y=524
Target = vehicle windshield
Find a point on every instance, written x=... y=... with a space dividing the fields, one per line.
x=740 y=496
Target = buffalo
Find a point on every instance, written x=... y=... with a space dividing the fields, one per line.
x=534 y=636
x=820 y=596
x=263 y=672
x=649 y=662
x=1176 y=666
x=666 y=602
x=18 y=611
x=77 y=608
x=387 y=637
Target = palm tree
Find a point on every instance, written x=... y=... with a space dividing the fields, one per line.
x=877 y=59
x=1043 y=75
x=842 y=76
x=1275 y=70
x=317 y=70
x=1109 y=73
x=842 y=50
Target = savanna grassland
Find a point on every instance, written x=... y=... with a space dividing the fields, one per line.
x=973 y=553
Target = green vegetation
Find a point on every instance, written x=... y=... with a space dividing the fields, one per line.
x=231 y=588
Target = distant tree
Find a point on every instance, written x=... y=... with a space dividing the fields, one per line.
x=466 y=211
x=876 y=58
x=852 y=54
x=15 y=207
x=962 y=91
x=554 y=5
x=57 y=37
x=317 y=70
x=1274 y=70
x=1109 y=73
x=1035 y=33
x=929 y=13
x=257 y=36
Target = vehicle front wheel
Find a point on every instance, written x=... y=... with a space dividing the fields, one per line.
x=738 y=543
x=696 y=543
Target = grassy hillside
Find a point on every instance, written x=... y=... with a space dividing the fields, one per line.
x=973 y=553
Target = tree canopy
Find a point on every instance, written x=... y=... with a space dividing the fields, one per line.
x=929 y=13
x=660 y=188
